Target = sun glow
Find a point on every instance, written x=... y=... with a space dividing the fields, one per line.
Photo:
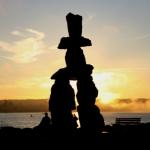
x=109 y=97
x=109 y=85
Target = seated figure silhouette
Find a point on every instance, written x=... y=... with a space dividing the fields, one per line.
x=44 y=125
x=45 y=122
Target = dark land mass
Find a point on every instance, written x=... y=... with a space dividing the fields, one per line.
x=41 y=105
x=24 y=105
x=114 y=137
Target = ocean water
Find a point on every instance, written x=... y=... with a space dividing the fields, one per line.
x=30 y=120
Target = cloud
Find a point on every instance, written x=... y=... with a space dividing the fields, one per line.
x=126 y=105
x=124 y=101
x=17 y=33
x=26 y=49
x=142 y=100
x=89 y=17
x=38 y=35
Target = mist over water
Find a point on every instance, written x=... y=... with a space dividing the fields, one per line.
x=32 y=119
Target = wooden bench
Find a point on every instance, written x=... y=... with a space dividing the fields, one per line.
x=128 y=121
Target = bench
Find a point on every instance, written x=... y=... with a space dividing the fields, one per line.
x=128 y=121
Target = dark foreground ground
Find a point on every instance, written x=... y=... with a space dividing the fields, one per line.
x=114 y=137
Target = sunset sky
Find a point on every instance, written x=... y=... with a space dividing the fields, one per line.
x=120 y=52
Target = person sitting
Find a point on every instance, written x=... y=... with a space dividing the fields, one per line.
x=45 y=122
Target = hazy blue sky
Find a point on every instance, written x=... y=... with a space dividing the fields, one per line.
x=31 y=30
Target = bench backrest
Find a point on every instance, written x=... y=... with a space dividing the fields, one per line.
x=128 y=121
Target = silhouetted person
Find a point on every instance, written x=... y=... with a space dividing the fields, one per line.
x=45 y=122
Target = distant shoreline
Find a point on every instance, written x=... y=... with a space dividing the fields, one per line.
x=41 y=105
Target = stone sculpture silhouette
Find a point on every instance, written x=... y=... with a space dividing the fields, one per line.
x=62 y=99
x=75 y=59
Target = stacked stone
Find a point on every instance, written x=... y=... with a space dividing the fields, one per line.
x=62 y=99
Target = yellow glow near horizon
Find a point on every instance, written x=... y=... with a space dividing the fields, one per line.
x=109 y=97
x=109 y=85
x=106 y=82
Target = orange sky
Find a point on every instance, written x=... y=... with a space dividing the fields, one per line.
x=119 y=53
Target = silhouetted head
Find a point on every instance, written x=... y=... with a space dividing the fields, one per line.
x=46 y=114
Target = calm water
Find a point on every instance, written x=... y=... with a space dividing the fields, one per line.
x=25 y=120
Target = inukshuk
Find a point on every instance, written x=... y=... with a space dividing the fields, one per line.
x=62 y=99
